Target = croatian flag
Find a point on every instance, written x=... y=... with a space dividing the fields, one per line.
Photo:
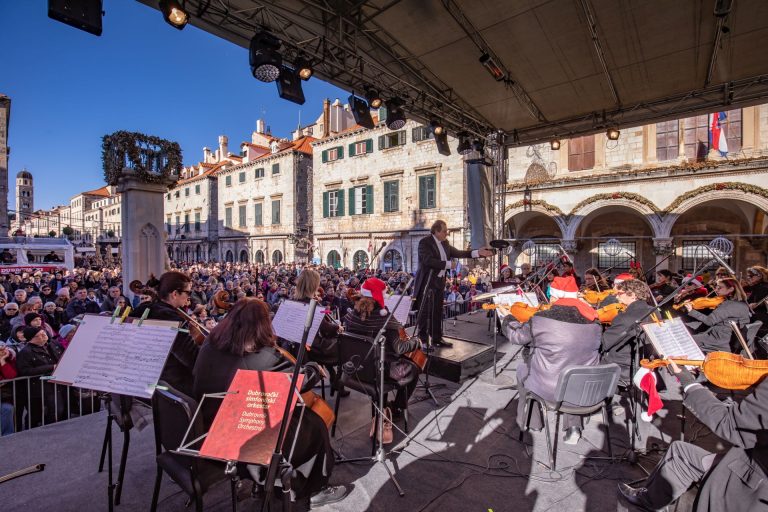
x=717 y=140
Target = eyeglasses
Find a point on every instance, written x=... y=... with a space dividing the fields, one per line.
x=188 y=292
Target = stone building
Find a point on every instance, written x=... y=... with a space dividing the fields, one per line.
x=25 y=197
x=5 y=121
x=659 y=190
x=380 y=190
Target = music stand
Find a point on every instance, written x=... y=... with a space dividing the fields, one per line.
x=428 y=301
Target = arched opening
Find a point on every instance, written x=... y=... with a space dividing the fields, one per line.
x=277 y=257
x=259 y=256
x=393 y=260
x=243 y=256
x=229 y=257
x=178 y=254
x=198 y=253
x=213 y=252
x=360 y=260
x=538 y=227
x=334 y=259
x=188 y=254
x=170 y=252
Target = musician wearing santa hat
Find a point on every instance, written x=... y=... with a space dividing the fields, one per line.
x=566 y=334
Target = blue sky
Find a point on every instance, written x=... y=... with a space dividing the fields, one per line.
x=68 y=88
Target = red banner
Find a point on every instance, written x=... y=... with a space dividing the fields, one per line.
x=18 y=269
x=248 y=422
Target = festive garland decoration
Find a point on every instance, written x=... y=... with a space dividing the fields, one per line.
x=730 y=185
x=630 y=196
x=536 y=202
x=153 y=159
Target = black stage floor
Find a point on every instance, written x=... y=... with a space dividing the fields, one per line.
x=461 y=456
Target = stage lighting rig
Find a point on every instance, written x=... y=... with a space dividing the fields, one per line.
x=83 y=14
x=174 y=13
x=361 y=111
x=264 y=57
x=373 y=97
x=465 y=146
x=289 y=85
x=395 y=113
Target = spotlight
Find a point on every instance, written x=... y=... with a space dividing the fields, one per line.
x=174 y=13
x=373 y=97
x=554 y=144
x=477 y=145
x=441 y=138
x=264 y=58
x=464 y=147
x=395 y=114
x=493 y=68
x=82 y=14
x=289 y=86
x=613 y=133
x=304 y=68
x=361 y=112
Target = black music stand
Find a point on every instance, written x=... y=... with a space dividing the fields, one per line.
x=428 y=301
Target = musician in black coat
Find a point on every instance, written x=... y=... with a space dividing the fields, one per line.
x=435 y=255
x=735 y=481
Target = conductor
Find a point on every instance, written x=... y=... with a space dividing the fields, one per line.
x=435 y=258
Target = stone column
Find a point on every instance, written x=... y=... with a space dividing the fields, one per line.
x=143 y=246
x=663 y=247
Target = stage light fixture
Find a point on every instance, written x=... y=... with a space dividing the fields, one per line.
x=83 y=14
x=395 y=113
x=437 y=128
x=441 y=137
x=477 y=145
x=613 y=133
x=264 y=58
x=464 y=147
x=289 y=86
x=493 y=68
x=361 y=111
x=554 y=144
x=373 y=97
x=304 y=68
x=174 y=13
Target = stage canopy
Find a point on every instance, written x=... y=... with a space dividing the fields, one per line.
x=566 y=67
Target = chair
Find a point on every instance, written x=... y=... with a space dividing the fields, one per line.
x=361 y=352
x=172 y=413
x=581 y=391
x=120 y=413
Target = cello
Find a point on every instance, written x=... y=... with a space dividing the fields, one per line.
x=723 y=369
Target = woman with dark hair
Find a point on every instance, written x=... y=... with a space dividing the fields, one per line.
x=594 y=281
x=173 y=290
x=244 y=340
x=718 y=333
x=757 y=291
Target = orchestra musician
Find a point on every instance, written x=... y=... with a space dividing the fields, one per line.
x=244 y=340
x=366 y=319
x=757 y=295
x=436 y=255
x=718 y=334
x=595 y=281
x=692 y=289
x=733 y=482
x=664 y=285
x=173 y=290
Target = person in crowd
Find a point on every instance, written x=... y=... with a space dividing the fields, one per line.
x=245 y=340
x=10 y=311
x=624 y=332
x=173 y=291
x=548 y=338
x=7 y=372
x=718 y=334
x=733 y=482
x=39 y=357
x=46 y=293
x=53 y=316
x=66 y=333
x=81 y=304
x=20 y=296
x=110 y=301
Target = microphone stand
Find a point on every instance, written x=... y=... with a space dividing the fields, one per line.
x=381 y=454
x=278 y=463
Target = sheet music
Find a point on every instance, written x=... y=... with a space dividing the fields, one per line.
x=401 y=312
x=510 y=298
x=672 y=339
x=290 y=318
x=117 y=358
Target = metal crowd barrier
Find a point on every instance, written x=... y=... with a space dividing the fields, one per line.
x=28 y=402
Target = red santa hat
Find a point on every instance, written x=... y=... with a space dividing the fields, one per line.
x=374 y=288
x=622 y=277
x=645 y=380
x=504 y=267
x=563 y=288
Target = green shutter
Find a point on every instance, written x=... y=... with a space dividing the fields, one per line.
x=422 y=192
x=352 y=149
x=325 y=155
x=325 y=205
x=369 y=199
x=381 y=142
x=401 y=137
x=352 y=201
x=340 y=202
x=382 y=114
x=369 y=146
x=341 y=152
x=387 y=188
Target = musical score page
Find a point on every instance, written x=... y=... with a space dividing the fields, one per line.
x=117 y=357
x=401 y=312
x=289 y=320
x=671 y=338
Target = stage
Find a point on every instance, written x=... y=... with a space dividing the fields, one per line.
x=462 y=456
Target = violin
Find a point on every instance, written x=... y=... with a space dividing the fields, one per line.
x=723 y=369
x=594 y=297
x=310 y=398
x=417 y=356
x=701 y=303
x=196 y=330
x=520 y=310
x=606 y=314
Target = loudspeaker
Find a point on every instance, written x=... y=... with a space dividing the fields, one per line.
x=361 y=112
x=82 y=14
x=479 y=202
x=442 y=144
x=289 y=86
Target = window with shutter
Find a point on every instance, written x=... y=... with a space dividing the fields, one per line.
x=352 y=207
x=326 y=212
x=368 y=199
x=241 y=177
x=581 y=153
x=334 y=154
x=258 y=219
x=259 y=172
x=241 y=216
x=427 y=192
x=421 y=133
x=197 y=221
x=696 y=137
x=227 y=181
x=340 y=203
x=276 y=211
x=733 y=131
x=391 y=196
x=275 y=169
x=667 y=140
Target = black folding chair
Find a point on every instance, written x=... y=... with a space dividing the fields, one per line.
x=581 y=391
x=172 y=414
